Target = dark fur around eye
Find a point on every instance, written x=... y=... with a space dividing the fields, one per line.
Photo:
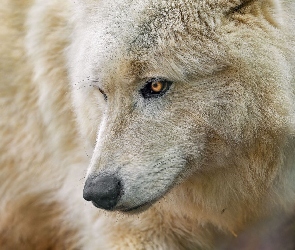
x=239 y=7
x=147 y=91
x=104 y=94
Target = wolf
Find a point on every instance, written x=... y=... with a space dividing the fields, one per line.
x=174 y=120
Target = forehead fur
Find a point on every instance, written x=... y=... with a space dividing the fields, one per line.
x=178 y=36
x=182 y=32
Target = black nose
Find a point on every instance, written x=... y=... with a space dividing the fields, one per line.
x=104 y=191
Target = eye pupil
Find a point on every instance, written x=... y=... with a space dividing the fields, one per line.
x=157 y=86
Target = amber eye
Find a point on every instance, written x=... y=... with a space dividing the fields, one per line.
x=155 y=87
x=158 y=86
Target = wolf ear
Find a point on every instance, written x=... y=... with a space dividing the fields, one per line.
x=269 y=10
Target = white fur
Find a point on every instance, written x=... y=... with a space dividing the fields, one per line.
x=210 y=157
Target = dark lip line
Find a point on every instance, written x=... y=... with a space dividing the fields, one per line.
x=133 y=209
x=140 y=208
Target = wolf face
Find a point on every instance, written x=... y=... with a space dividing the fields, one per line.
x=168 y=90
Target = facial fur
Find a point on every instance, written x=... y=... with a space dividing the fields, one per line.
x=221 y=94
x=184 y=111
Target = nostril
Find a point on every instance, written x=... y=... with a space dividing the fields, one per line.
x=104 y=191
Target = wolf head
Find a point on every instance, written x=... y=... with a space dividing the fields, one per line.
x=168 y=92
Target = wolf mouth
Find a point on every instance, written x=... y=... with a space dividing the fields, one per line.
x=138 y=209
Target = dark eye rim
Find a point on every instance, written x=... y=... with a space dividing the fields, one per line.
x=100 y=90
x=103 y=93
x=148 y=93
